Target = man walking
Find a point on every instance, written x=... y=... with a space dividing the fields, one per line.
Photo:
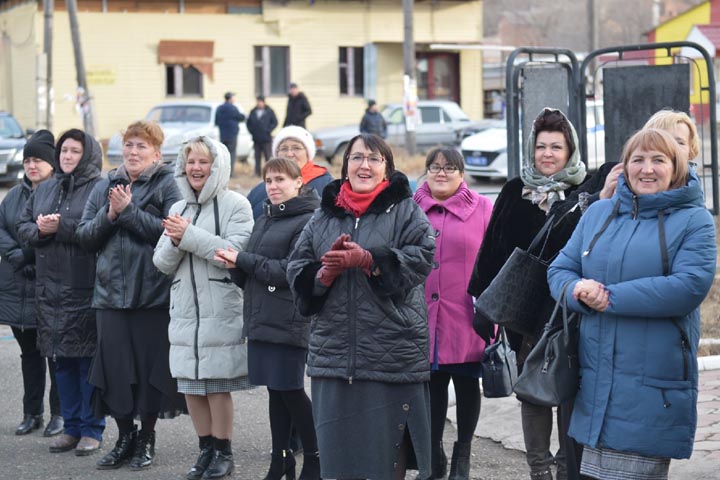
x=298 y=107
x=373 y=121
x=227 y=119
x=260 y=123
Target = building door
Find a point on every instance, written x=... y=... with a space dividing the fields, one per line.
x=438 y=76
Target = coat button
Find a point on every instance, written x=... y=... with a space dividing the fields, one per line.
x=440 y=209
x=401 y=426
x=436 y=265
x=435 y=297
x=271 y=288
x=437 y=233
x=406 y=407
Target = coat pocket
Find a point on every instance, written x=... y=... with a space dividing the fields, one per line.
x=671 y=398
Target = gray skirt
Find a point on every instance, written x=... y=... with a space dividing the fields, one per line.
x=360 y=426
x=606 y=464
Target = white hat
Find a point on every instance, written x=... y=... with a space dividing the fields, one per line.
x=296 y=133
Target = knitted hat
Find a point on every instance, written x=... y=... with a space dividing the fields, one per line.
x=41 y=145
x=296 y=133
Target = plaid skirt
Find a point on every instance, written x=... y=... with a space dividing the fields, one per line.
x=204 y=387
x=608 y=464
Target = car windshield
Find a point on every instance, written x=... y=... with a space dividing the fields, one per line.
x=180 y=114
x=9 y=128
x=455 y=112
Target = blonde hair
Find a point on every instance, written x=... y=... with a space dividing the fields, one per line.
x=655 y=139
x=147 y=130
x=199 y=147
x=667 y=119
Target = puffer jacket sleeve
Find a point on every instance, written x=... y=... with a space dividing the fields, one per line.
x=203 y=244
x=10 y=249
x=408 y=265
x=27 y=228
x=95 y=228
x=144 y=224
x=167 y=257
x=301 y=271
x=684 y=288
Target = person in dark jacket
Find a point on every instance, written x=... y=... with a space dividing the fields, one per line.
x=227 y=119
x=358 y=268
x=17 y=288
x=121 y=224
x=277 y=334
x=260 y=123
x=637 y=268
x=298 y=145
x=372 y=121
x=298 y=107
x=64 y=284
x=552 y=170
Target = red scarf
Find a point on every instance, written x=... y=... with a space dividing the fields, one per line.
x=310 y=171
x=358 y=203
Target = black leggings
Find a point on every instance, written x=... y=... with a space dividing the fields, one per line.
x=287 y=408
x=467 y=395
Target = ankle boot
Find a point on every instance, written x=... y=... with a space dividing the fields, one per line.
x=124 y=449
x=460 y=464
x=311 y=467
x=222 y=463
x=203 y=461
x=29 y=423
x=144 y=450
x=282 y=464
x=55 y=426
x=542 y=475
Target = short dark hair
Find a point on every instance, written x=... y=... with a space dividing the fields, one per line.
x=374 y=144
x=260 y=98
x=553 y=120
x=281 y=165
x=452 y=157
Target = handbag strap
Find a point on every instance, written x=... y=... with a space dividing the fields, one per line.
x=544 y=234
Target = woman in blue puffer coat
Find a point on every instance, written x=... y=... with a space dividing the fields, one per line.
x=637 y=267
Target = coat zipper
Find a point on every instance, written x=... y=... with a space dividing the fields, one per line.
x=197 y=305
x=57 y=305
x=635 y=207
x=352 y=326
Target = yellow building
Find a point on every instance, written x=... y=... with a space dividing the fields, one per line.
x=139 y=53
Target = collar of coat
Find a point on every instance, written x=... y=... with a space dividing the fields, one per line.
x=399 y=189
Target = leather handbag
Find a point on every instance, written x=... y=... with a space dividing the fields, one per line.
x=499 y=368
x=550 y=375
x=519 y=295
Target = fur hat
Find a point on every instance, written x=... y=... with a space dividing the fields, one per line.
x=296 y=133
x=41 y=145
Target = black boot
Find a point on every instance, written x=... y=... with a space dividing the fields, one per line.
x=222 y=463
x=203 y=460
x=144 y=450
x=311 y=467
x=281 y=464
x=124 y=449
x=55 y=426
x=460 y=464
x=28 y=424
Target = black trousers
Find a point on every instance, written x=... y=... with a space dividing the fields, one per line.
x=231 y=145
x=264 y=148
x=33 y=372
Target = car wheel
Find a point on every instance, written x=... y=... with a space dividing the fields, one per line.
x=337 y=157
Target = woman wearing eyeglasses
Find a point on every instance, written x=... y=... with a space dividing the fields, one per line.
x=359 y=268
x=460 y=217
x=294 y=143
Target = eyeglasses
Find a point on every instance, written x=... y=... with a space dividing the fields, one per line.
x=447 y=168
x=374 y=159
x=294 y=149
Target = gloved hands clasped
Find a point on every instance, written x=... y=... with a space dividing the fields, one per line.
x=343 y=254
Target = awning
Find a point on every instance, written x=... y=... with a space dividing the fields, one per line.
x=198 y=53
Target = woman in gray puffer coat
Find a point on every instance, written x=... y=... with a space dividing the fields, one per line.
x=359 y=268
x=208 y=355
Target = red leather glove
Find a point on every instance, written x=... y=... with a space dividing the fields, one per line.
x=339 y=243
x=327 y=275
x=354 y=256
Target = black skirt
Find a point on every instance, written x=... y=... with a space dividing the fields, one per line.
x=280 y=367
x=131 y=369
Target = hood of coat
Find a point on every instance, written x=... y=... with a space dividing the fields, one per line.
x=90 y=164
x=529 y=157
x=462 y=203
x=648 y=206
x=219 y=173
x=399 y=189
x=307 y=201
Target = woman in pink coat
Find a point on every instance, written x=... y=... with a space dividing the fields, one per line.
x=460 y=217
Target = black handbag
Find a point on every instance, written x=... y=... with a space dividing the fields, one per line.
x=499 y=368
x=550 y=375
x=519 y=295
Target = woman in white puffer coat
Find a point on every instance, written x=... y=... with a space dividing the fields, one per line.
x=207 y=353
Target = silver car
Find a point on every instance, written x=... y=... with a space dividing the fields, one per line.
x=442 y=122
x=181 y=121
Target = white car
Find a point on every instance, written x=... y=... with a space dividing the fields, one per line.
x=180 y=122
x=485 y=153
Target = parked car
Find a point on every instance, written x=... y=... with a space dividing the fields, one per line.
x=442 y=122
x=485 y=153
x=12 y=141
x=181 y=121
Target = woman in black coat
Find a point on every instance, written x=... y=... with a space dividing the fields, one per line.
x=64 y=284
x=17 y=288
x=277 y=333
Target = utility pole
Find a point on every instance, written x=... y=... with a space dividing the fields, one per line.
x=410 y=87
x=86 y=106
x=49 y=7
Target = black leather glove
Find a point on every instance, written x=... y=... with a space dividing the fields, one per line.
x=483 y=327
x=28 y=271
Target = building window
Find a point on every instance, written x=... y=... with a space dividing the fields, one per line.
x=183 y=81
x=351 y=71
x=272 y=70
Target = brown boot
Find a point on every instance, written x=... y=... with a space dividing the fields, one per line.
x=86 y=446
x=64 y=443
